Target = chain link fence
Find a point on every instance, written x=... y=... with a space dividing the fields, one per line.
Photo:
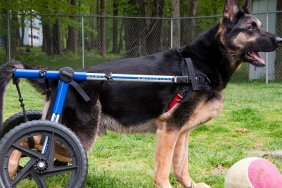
x=55 y=41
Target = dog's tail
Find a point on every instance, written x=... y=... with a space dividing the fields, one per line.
x=6 y=76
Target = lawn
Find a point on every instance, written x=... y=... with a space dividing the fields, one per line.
x=250 y=120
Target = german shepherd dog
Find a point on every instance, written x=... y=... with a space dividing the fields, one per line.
x=141 y=107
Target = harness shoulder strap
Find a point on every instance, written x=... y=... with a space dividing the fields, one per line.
x=187 y=62
x=193 y=82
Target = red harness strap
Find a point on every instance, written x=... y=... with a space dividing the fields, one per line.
x=192 y=82
x=175 y=100
x=182 y=96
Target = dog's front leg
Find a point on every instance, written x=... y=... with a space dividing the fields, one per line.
x=180 y=163
x=166 y=140
x=180 y=160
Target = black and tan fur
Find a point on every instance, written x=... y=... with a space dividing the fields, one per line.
x=140 y=107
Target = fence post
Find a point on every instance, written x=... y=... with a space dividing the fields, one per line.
x=82 y=40
x=9 y=35
x=171 y=33
x=267 y=66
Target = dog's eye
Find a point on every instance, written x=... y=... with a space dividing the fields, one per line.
x=252 y=26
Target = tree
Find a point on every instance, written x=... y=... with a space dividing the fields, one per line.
x=278 y=64
x=57 y=37
x=137 y=36
x=14 y=33
x=134 y=29
x=47 y=33
x=22 y=25
x=91 y=43
x=47 y=37
x=193 y=10
x=115 y=27
x=153 y=39
x=102 y=28
x=71 y=40
x=175 y=4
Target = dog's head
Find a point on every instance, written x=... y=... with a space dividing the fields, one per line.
x=242 y=34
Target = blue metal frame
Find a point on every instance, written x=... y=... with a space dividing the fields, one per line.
x=83 y=76
x=60 y=100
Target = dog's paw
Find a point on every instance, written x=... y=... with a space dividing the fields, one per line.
x=202 y=185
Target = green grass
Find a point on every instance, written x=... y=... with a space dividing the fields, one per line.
x=121 y=161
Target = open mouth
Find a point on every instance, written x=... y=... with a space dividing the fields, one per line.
x=254 y=58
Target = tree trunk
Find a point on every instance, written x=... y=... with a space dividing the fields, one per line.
x=175 y=4
x=102 y=29
x=115 y=27
x=120 y=43
x=153 y=40
x=47 y=34
x=47 y=37
x=71 y=40
x=278 y=62
x=134 y=29
x=131 y=37
x=14 y=33
x=5 y=34
x=22 y=29
x=31 y=29
x=79 y=31
x=91 y=43
x=57 y=38
x=193 y=9
x=279 y=5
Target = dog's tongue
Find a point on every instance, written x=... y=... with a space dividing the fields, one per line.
x=257 y=57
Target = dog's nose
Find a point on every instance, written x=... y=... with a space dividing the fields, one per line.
x=279 y=41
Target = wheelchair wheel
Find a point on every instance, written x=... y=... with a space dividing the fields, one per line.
x=18 y=119
x=38 y=166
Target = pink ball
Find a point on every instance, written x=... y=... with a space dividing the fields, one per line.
x=253 y=173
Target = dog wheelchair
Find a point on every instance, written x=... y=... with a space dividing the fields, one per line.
x=41 y=163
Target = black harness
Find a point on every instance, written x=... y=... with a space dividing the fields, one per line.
x=193 y=80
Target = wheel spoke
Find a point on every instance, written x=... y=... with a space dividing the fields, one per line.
x=58 y=170
x=51 y=149
x=40 y=180
x=25 y=171
x=28 y=152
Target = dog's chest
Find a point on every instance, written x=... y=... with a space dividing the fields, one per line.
x=203 y=112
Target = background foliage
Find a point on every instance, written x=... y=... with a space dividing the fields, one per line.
x=61 y=33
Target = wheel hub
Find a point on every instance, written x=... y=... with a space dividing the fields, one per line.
x=40 y=166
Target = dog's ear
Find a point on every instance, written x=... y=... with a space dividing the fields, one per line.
x=231 y=10
x=248 y=6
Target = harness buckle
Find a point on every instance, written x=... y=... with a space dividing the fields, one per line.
x=200 y=79
x=183 y=91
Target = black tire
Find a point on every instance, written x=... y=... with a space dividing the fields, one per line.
x=18 y=119
x=33 y=168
